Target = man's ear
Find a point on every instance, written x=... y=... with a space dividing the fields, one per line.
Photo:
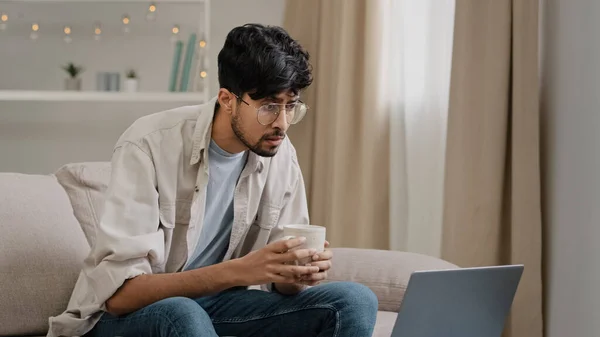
x=226 y=99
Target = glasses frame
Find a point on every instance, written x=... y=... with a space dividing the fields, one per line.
x=275 y=113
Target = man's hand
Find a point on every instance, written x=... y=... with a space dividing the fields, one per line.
x=268 y=265
x=321 y=260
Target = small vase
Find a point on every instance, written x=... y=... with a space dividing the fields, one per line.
x=130 y=85
x=73 y=84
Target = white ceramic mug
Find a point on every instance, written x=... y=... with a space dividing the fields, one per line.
x=315 y=238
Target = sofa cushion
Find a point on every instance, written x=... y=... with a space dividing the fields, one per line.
x=42 y=249
x=385 y=272
x=385 y=324
x=86 y=184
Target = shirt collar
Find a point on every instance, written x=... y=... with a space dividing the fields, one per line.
x=202 y=134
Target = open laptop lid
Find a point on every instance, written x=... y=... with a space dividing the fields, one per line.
x=468 y=302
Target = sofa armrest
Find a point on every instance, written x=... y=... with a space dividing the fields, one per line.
x=386 y=273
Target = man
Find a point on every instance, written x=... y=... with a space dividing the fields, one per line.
x=194 y=213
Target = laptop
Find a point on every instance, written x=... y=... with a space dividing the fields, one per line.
x=468 y=302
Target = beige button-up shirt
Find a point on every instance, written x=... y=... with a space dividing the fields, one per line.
x=154 y=208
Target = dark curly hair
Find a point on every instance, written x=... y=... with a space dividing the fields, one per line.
x=263 y=61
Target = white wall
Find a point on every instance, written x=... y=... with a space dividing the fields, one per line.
x=571 y=157
x=42 y=136
x=227 y=14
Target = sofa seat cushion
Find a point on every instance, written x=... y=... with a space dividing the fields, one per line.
x=42 y=249
x=385 y=323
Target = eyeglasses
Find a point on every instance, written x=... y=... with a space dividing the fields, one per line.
x=268 y=113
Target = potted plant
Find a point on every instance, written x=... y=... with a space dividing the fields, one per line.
x=131 y=81
x=73 y=82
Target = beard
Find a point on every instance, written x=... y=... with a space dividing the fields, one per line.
x=257 y=147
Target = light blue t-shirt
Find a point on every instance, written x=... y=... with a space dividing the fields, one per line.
x=224 y=169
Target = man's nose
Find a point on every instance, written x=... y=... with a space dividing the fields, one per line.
x=281 y=122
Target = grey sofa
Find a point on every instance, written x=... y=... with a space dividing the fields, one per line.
x=48 y=223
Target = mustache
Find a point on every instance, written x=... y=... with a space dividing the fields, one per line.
x=277 y=133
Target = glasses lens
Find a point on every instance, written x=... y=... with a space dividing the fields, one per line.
x=267 y=114
x=296 y=114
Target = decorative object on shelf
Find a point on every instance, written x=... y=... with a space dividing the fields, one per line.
x=3 y=21
x=102 y=81
x=126 y=21
x=73 y=82
x=34 y=31
x=131 y=81
x=151 y=15
x=114 y=82
x=67 y=30
x=97 y=31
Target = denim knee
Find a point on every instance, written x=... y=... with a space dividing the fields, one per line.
x=182 y=316
x=355 y=295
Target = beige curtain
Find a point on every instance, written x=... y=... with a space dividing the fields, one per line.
x=492 y=212
x=491 y=199
x=342 y=144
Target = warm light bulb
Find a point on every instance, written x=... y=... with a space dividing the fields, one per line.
x=176 y=30
x=4 y=17
x=203 y=74
x=126 y=20
x=152 y=8
x=34 y=29
x=67 y=30
x=98 y=31
x=202 y=44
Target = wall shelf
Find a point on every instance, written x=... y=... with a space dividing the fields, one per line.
x=100 y=40
x=98 y=96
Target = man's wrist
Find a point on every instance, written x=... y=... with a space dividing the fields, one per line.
x=229 y=274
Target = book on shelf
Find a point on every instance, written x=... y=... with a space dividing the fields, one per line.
x=175 y=66
x=187 y=63
x=184 y=61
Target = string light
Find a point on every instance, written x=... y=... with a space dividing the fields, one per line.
x=151 y=15
x=126 y=20
x=34 y=31
x=97 y=31
x=3 y=20
x=202 y=41
x=203 y=74
x=175 y=30
x=67 y=30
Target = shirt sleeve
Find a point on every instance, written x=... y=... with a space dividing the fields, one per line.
x=129 y=239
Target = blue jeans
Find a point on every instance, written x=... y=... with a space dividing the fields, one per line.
x=338 y=309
